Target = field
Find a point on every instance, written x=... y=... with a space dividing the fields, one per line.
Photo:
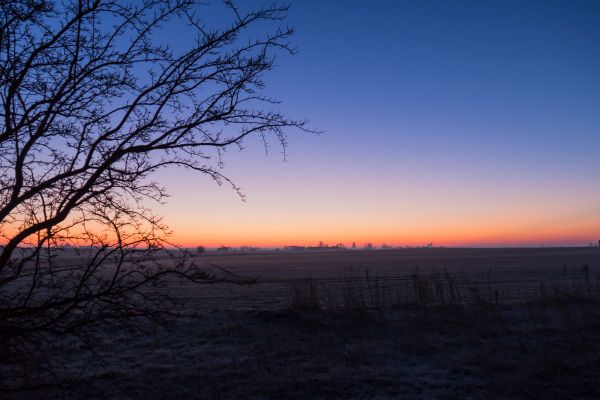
x=410 y=323
x=513 y=274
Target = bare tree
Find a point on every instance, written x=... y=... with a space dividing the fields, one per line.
x=92 y=102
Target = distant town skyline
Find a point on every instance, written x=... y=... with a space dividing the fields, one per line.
x=383 y=246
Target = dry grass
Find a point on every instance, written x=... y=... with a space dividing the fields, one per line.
x=304 y=295
x=423 y=335
x=361 y=294
x=541 y=350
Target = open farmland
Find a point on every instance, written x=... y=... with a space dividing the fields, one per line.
x=410 y=323
x=506 y=275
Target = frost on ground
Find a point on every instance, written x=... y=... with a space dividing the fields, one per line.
x=548 y=350
x=490 y=324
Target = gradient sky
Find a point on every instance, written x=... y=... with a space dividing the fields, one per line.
x=456 y=122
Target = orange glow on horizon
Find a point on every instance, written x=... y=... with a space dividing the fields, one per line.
x=458 y=238
x=495 y=236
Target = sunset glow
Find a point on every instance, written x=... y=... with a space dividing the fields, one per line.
x=454 y=124
x=299 y=199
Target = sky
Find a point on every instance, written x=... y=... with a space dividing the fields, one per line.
x=462 y=123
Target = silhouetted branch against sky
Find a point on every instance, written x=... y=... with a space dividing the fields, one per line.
x=93 y=101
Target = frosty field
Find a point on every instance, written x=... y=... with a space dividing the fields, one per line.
x=523 y=323
x=516 y=274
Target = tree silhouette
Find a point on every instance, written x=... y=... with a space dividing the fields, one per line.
x=92 y=102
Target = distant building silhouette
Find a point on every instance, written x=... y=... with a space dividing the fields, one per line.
x=294 y=248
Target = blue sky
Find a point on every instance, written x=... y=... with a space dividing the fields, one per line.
x=439 y=117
